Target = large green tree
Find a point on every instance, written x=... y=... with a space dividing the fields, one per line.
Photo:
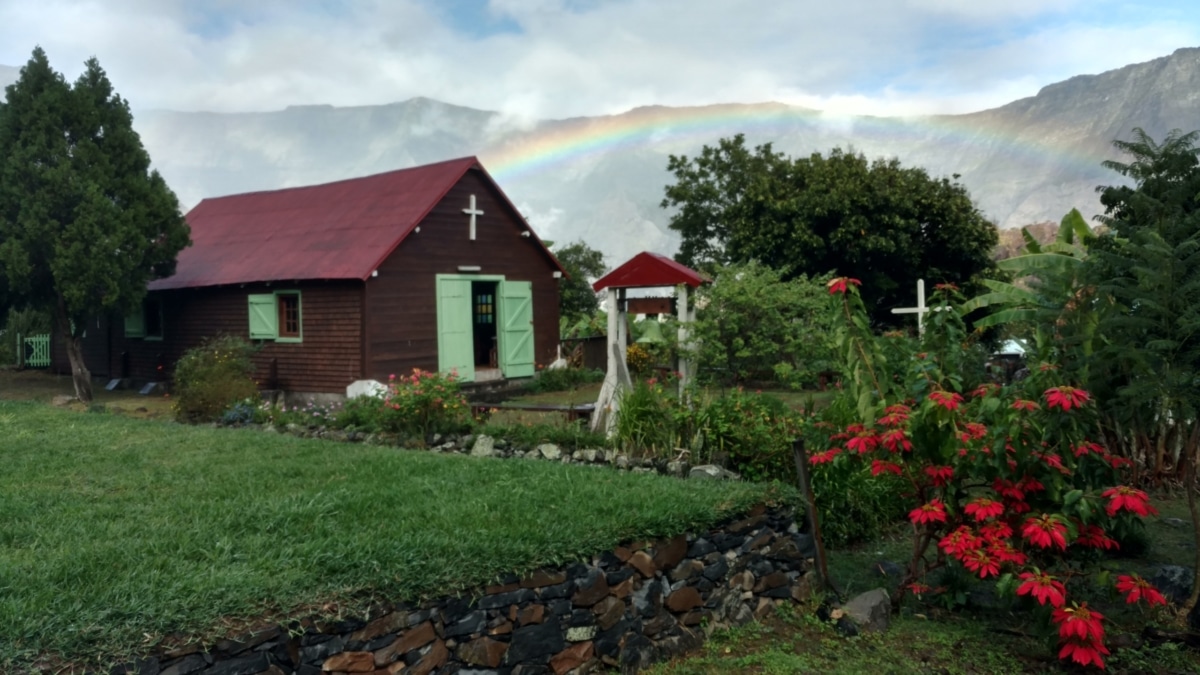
x=576 y=299
x=84 y=222
x=880 y=222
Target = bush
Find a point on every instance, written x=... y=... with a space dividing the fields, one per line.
x=646 y=420
x=211 y=378
x=424 y=404
x=751 y=431
x=564 y=379
x=24 y=323
x=573 y=436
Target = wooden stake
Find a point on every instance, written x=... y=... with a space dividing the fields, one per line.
x=814 y=522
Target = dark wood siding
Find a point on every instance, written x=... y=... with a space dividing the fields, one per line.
x=401 y=324
x=328 y=358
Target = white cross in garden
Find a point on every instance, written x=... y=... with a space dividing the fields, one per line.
x=920 y=309
x=472 y=211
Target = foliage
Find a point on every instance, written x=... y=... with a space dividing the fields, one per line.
x=84 y=222
x=1149 y=265
x=564 y=379
x=424 y=403
x=22 y=323
x=212 y=377
x=1009 y=483
x=576 y=299
x=751 y=326
x=311 y=414
x=645 y=419
x=573 y=436
x=752 y=432
x=237 y=526
x=1051 y=305
x=638 y=359
x=876 y=221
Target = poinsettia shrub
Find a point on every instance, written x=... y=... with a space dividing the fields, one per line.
x=1004 y=483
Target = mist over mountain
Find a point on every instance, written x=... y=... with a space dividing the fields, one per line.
x=601 y=179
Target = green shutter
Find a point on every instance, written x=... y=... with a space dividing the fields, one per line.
x=456 y=335
x=135 y=324
x=516 y=328
x=264 y=317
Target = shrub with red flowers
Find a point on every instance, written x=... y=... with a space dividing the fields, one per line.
x=1009 y=483
x=424 y=403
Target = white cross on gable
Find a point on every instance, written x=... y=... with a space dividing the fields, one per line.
x=472 y=211
x=920 y=309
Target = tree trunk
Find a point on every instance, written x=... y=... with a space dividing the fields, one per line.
x=80 y=376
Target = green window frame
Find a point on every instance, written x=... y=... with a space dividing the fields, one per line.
x=277 y=316
x=147 y=322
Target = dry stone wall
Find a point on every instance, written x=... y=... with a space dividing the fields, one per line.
x=623 y=610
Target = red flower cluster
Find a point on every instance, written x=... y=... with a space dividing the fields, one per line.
x=1081 y=634
x=824 y=457
x=940 y=475
x=933 y=512
x=948 y=400
x=1094 y=536
x=1136 y=588
x=1045 y=531
x=1022 y=404
x=983 y=508
x=863 y=442
x=1124 y=498
x=1066 y=397
x=1043 y=587
x=838 y=285
x=879 y=466
x=895 y=440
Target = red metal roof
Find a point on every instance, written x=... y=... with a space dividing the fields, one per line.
x=340 y=230
x=648 y=269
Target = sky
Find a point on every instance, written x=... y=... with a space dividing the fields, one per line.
x=562 y=58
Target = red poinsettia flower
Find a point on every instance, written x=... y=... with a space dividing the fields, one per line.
x=983 y=508
x=948 y=400
x=1094 y=536
x=1084 y=653
x=1043 y=587
x=1030 y=485
x=824 y=457
x=880 y=466
x=941 y=475
x=1082 y=635
x=895 y=440
x=1079 y=623
x=996 y=530
x=1136 y=588
x=1005 y=552
x=973 y=431
x=945 y=287
x=863 y=442
x=984 y=390
x=1045 y=531
x=1046 y=367
x=838 y=284
x=1054 y=462
x=1123 y=498
x=917 y=588
x=1066 y=397
x=933 y=512
x=960 y=542
x=982 y=563
x=1087 y=448
x=1007 y=489
x=1022 y=404
x=894 y=420
x=897 y=409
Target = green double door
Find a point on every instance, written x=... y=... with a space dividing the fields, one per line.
x=457 y=325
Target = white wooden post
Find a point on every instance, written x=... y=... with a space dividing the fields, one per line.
x=604 y=417
x=685 y=364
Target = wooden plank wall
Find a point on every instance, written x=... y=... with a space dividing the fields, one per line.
x=328 y=359
x=401 y=326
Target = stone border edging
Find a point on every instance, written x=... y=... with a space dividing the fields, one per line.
x=627 y=608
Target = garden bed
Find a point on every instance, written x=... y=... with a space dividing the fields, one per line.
x=124 y=536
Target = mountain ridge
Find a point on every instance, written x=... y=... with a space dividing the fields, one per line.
x=601 y=178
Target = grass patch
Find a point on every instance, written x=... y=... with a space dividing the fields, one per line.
x=119 y=531
x=38 y=385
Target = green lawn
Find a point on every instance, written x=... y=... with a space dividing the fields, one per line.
x=119 y=531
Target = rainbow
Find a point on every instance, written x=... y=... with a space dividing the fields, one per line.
x=556 y=145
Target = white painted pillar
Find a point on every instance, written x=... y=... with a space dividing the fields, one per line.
x=685 y=366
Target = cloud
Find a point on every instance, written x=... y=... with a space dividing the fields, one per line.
x=558 y=58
